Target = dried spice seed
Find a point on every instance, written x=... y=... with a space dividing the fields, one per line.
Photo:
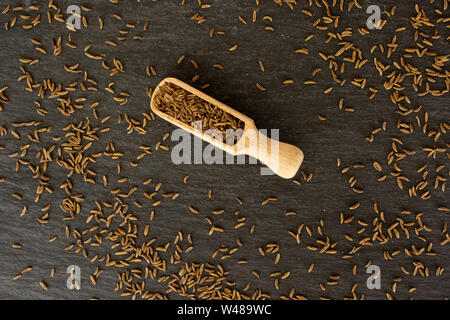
x=188 y=108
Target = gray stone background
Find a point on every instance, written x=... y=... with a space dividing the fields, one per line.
x=294 y=109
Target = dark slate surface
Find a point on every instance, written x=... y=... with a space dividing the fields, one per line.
x=293 y=109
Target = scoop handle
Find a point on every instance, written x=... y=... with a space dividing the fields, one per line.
x=282 y=158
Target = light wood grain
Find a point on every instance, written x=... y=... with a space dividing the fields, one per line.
x=282 y=158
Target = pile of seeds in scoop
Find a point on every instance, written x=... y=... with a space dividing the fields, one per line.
x=109 y=210
x=189 y=108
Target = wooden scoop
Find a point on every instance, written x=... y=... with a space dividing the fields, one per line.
x=282 y=158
